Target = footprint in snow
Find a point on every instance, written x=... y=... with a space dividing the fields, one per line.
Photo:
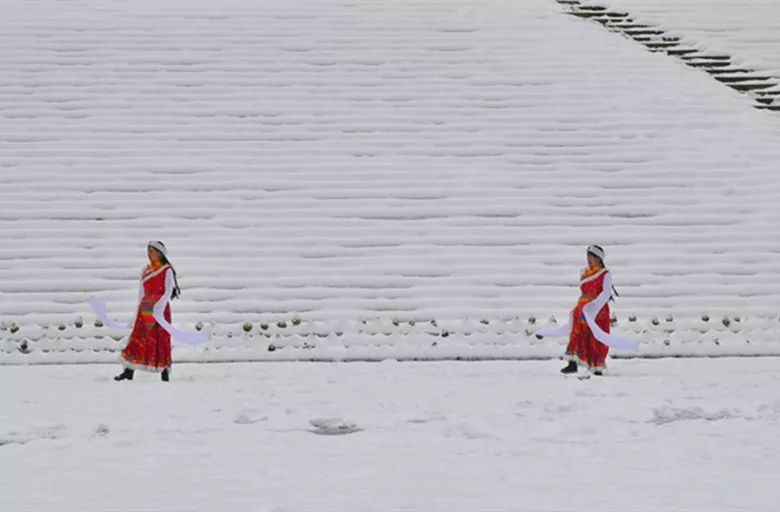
x=559 y=409
x=50 y=432
x=333 y=427
x=667 y=414
x=427 y=419
x=248 y=419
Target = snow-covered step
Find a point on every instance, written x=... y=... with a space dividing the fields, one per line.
x=378 y=338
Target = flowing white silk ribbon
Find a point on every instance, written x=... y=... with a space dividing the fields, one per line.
x=188 y=338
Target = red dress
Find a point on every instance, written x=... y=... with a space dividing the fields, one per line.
x=583 y=347
x=149 y=347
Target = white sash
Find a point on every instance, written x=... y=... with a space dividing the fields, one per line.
x=590 y=311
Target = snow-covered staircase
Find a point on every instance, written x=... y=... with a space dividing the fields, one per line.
x=353 y=167
x=762 y=87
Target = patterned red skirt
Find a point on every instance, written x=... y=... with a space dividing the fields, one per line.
x=583 y=347
x=149 y=347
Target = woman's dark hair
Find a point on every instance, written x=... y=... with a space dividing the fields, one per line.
x=176 y=290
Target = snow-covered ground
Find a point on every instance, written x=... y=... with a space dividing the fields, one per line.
x=672 y=435
x=349 y=161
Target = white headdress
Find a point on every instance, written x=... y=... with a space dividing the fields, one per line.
x=159 y=246
x=597 y=251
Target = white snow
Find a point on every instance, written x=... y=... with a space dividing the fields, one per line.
x=673 y=434
x=341 y=162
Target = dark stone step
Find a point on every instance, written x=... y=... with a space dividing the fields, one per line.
x=708 y=64
x=726 y=71
x=682 y=51
x=594 y=8
x=662 y=45
x=643 y=32
x=741 y=78
x=717 y=58
x=751 y=87
x=633 y=26
x=765 y=101
x=711 y=67
x=588 y=15
x=773 y=108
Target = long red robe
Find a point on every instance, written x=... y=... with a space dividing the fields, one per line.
x=149 y=347
x=583 y=347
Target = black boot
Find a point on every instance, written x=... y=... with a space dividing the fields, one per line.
x=125 y=375
x=165 y=376
x=570 y=368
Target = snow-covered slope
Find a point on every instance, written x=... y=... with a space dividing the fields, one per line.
x=349 y=161
x=745 y=28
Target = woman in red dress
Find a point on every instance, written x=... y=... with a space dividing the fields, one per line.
x=588 y=330
x=149 y=347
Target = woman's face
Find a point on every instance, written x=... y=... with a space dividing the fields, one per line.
x=154 y=255
x=592 y=260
